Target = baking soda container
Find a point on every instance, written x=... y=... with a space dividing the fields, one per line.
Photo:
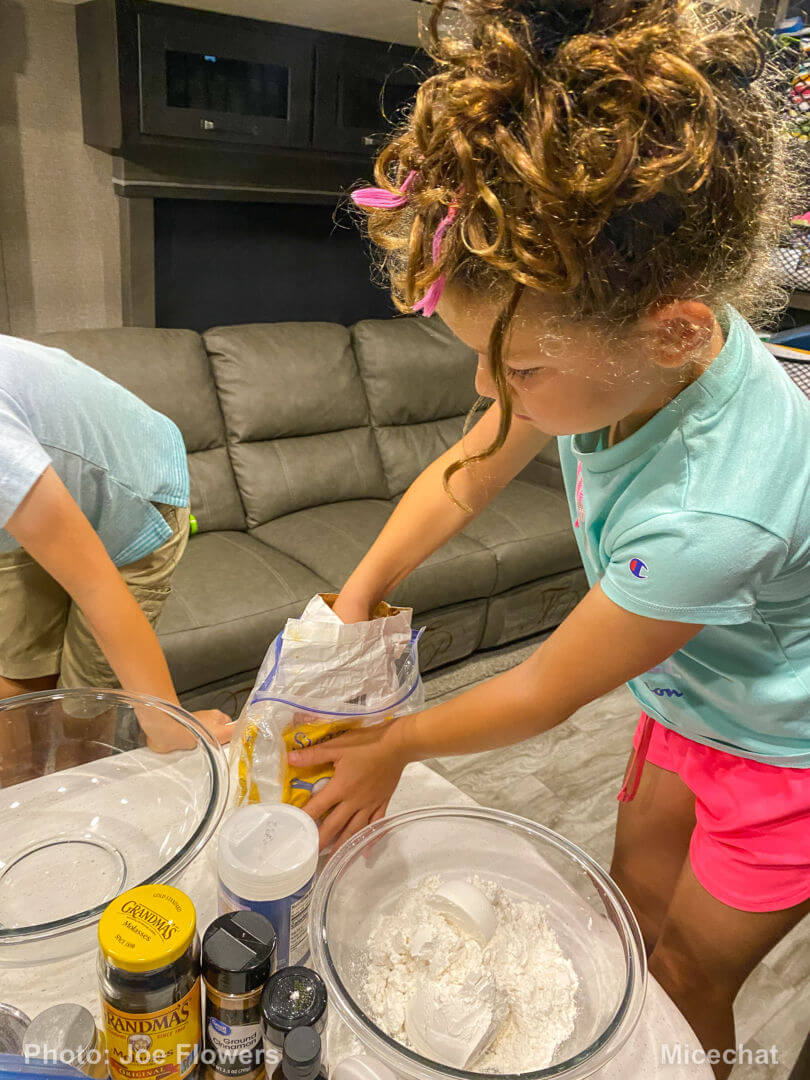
x=266 y=861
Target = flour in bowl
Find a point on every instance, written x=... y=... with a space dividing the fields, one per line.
x=492 y=995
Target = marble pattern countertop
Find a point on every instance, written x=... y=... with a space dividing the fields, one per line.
x=74 y=979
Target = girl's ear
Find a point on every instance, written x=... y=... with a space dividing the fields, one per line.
x=679 y=331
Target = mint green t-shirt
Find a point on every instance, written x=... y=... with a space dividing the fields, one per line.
x=703 y=516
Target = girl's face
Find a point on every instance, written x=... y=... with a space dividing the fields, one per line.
x=565 y=383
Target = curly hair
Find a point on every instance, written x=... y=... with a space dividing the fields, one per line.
x=606 y=155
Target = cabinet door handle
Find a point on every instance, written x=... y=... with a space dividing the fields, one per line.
x=209 y=125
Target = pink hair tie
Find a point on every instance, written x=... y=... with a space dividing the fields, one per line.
x=379 y=199
x=427 y=305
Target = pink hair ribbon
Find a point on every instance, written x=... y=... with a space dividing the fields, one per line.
x=427 y=305
x=379 y=199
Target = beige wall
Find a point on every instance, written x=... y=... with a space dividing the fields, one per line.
x=59 y=249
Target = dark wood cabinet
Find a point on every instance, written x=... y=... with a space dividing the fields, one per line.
x=361 y=87
x=156 y=77
x=233 y=80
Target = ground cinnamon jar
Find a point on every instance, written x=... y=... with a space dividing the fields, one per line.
x=238 y=957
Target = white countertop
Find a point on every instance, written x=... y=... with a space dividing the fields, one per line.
x=74 y=979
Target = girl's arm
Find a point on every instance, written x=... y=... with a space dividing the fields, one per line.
x=51 y=527
x=598 y=647
x=427 y=517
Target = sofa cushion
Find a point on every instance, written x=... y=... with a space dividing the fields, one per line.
x=230 y=596
x=528 y=529
x=332 y=539
x=215 y=500
x=279 y=379
x=169 y=370
x=280 y=476
x=413 y=369
x=420 y=383
x=296 y=416
x=407 y=449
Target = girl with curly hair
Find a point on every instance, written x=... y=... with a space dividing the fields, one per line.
x=587 y=194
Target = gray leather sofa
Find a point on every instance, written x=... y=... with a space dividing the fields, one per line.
x=301 y=437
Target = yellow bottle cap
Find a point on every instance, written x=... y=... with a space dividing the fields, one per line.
x=147 y=928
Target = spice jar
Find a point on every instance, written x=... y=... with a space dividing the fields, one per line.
x=13 y=1026
x=267 y=858
x=67 y=1034
x=238 y=957
x=301 y=1057
x=149 y=976
x=294 y=997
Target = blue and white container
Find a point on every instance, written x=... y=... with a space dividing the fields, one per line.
x=267 y=858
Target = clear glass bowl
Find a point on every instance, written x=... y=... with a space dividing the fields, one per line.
x=593 y=922
x=88 y=809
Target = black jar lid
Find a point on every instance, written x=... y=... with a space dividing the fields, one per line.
x=301 y=1057
x=238 y=952
x=294 y=997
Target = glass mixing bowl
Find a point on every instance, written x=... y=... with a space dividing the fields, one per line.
x=593 y=922
x=88 y=809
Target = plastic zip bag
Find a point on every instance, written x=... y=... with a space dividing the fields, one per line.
x=321 y=678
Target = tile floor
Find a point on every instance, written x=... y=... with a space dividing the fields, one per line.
x=560 y=780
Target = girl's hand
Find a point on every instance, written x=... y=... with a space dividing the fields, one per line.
x=368 y=765
x=350 y=610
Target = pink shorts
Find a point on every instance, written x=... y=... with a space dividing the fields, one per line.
x=751 y=845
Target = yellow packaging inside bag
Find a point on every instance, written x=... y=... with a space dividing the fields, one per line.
x=300 y=784
x=302 y=730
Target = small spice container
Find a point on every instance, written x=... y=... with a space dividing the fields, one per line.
x=67 y=1035
x=294 y=997
x=149 y=976
x=13 y=1026
x=238 y=957
x=301 y=1058
x=267 y=859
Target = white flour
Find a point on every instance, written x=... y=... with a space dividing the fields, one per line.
x=520 y=985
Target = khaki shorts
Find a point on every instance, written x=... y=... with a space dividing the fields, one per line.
x=42 y=632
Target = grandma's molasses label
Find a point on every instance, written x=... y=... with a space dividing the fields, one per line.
x=150 y=985
x=162 y=1045
x=147 y=928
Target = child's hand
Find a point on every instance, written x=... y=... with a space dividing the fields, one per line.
x=368 y=765
x=350 y=610
x=218 y=723
x=163 y=738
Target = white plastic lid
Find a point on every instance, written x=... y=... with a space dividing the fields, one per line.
x=267 y=852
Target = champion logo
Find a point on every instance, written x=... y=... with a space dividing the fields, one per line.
x=666 y=691
x=638 y=568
